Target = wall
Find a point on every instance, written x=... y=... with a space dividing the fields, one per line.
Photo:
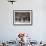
x=38 y=29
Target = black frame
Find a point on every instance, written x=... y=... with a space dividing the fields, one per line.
x=23 y=10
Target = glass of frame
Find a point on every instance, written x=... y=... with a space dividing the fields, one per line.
x=22 y=17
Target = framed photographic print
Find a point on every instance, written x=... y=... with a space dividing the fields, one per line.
x=22 y=17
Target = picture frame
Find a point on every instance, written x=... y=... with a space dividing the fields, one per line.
x=22 y=17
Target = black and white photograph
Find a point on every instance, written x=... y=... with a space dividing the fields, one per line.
x=22 y=17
